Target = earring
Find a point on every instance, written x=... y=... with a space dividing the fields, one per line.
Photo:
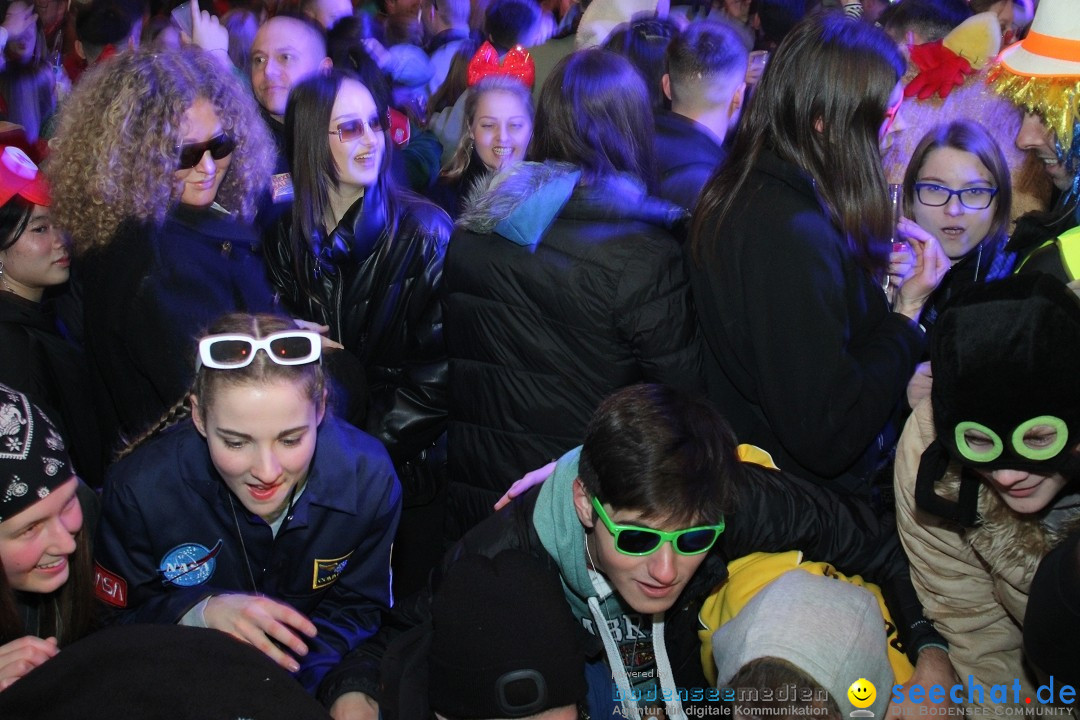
x=4 y=281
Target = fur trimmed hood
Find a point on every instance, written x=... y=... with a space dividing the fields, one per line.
x=522 y=202
x=1008 y=540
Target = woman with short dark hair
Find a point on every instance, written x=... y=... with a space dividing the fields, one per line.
x=37 y=353
x=790 y=253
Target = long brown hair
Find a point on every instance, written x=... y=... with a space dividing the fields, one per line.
x=459 y=161
x=820 y=106
x=114 y=155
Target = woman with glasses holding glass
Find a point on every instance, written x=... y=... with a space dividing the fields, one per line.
x=365 y=258
x=157 y=167
x=257 y=513
x=957 y=188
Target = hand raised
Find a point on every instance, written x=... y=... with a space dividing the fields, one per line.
x=931 y=264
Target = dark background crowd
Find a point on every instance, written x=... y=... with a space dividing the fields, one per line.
x=288 y=286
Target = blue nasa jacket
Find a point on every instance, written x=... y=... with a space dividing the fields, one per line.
x=168 y=538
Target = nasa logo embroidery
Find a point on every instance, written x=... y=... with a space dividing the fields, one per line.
x=189 y=564
x=109 y=587
x=328 y=571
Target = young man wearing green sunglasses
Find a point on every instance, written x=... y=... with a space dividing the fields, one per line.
x=639 y=523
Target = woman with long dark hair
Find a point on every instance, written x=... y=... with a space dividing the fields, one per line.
x=27 y=77
x=37 y=353
x=365 y=259
x=789 y=256
x=564 y=283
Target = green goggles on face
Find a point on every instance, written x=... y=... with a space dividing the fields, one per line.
x=635 y=540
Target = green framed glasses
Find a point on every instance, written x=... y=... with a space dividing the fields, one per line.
x=635 y=540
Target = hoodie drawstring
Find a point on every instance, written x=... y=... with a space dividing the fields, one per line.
x=618 y=670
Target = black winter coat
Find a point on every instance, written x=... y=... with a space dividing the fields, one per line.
x=541 y=328
x=688 y=156
x=376 y=282
x=149 y=294
x=36 y=359
x=807 y=361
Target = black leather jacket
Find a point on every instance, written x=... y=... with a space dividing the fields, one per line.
x=376 y=282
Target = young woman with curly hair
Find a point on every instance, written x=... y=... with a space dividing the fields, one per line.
x=158 y=164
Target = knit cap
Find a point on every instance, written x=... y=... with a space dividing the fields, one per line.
x=831 y=630
x=33 y=457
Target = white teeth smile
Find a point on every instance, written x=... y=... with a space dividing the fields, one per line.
x=502 y=150
x=50 y=565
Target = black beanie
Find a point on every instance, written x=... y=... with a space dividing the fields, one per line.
x=1005 y=353
x=1004 y=357
x=33 y=458
x=504 y=641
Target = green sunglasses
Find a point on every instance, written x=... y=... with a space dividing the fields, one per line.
x=634 y=540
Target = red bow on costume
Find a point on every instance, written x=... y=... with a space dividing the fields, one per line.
x=517 y=63
x=940 y=70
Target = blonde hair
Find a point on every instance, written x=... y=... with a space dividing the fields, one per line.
x=459 y=161
x=114 y=154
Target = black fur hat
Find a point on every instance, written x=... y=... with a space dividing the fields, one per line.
x=1005 y=357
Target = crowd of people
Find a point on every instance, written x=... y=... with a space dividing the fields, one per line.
x=292 y=295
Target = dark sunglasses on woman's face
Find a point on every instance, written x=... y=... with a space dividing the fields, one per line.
x=219 y=146
x=353 y=129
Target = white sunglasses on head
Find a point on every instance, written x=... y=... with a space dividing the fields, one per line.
x=233 y=351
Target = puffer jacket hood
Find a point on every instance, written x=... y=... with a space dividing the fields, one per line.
x=521 y=202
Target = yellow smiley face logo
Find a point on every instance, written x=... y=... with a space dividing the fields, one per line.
x=862 y=693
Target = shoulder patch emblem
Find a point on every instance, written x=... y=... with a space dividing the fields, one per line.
x=328 y=571
x=189 y=564
x=109 y=588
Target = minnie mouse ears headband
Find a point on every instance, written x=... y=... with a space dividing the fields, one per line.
x=518 y=63
x=20 y=176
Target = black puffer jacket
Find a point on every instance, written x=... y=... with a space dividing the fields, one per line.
x=556 y=295
x=376 y=282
